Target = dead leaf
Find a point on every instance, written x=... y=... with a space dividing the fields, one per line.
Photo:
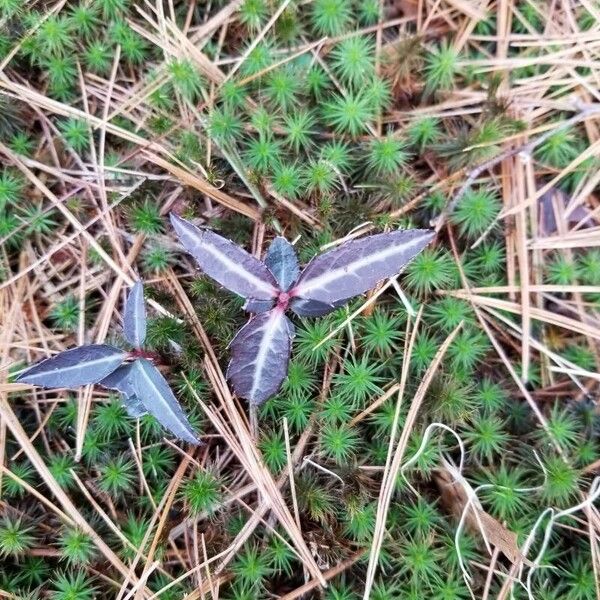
x=552 y=207
x=454 y=498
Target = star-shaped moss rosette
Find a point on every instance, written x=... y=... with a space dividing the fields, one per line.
x=142 y=387
x=261 y=349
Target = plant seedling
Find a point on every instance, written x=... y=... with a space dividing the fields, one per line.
x=261 y=349
x=142 y=387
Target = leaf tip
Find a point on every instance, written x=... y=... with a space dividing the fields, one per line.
x=177 y=222
x=134 y=315
x=175 y=219
x=428 y=237
x=195 y=441
x=189 y=436
x=22 y=377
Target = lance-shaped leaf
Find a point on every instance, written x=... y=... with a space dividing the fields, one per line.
x=282 y=261
x=358 y=265
x=260 y=353
x=134 y=316
x=314 y=308
x=154 y=392
x=226 y=262
x=75 y=367
x=121 y=380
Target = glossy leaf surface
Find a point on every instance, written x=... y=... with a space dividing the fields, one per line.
x=226 y=262
x=258 y=306
x=154 y=392
x=134 y=406
x=357 y=266
x=134 y=316
x=75 y=367
x=313 y=308
x=282 y=261
x=260 y=354
x=120 y=380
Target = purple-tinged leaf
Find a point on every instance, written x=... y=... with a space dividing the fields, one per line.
x=121 y=380
x=260 y=353
x=75 y=367
x=314 y=308
x=282 y=261
x=258 y=306
x=358 y=265
x=134 y=406
x=134 y=316
x=155 y=394
x=552 y=210
x=226 y=262
x=291 y=328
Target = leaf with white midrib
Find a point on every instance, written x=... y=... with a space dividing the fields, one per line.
x=359 y=265
x=224 y=261
x=257 y=306
x=155 y=394
x=72 y=368
x=122 y=381
x=259 y=356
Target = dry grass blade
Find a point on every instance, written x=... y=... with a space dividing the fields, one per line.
x=257 y=39
x=327 y=575
x=65 y=211
x=161 y=514
x=321 y=122
x=10 y=420
x=236 y=434
x=390 y=475
x=477 y=520
x=585 y=328
x=203 y=186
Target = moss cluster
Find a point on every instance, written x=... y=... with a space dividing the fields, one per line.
x=346 y=126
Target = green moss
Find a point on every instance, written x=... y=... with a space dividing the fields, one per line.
x=15 y=537
x=353 y=130
x=202 y=492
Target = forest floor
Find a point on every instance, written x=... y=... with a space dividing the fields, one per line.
x=435 y=438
